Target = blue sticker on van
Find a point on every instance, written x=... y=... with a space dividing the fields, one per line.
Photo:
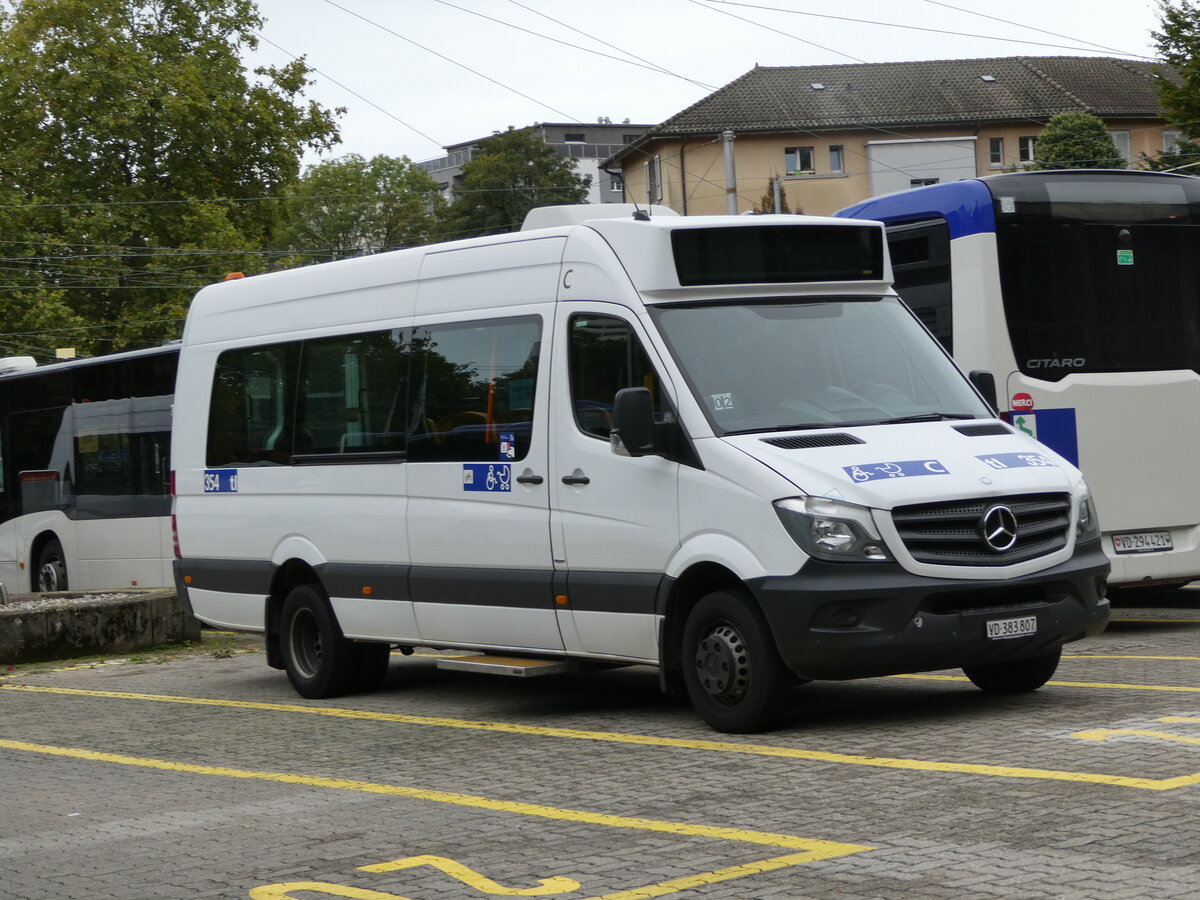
x=508 y=445
x=1017 y=461
x=220 y=481
x=488 y=477
x=902 y=469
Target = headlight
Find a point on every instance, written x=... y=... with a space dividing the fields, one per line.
x=831 y=529
x=1087 y=526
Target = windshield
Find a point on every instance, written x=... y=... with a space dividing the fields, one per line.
x=780 y=365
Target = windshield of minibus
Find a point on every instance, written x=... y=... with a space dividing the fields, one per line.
x=1100 y=271
x=784 y=364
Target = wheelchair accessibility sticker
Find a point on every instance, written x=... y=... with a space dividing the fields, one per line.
x=487 y=477
x=903 y=469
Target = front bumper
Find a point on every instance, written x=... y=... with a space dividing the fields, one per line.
x=836 y=621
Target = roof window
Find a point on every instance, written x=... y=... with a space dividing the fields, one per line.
x=987 y=77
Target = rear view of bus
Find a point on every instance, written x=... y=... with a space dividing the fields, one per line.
x=1080 y=292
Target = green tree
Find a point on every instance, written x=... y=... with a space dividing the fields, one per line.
x=1178 y=44
x=508 y=175
x=350 y=206
x=140 y=157
x=1077 y=140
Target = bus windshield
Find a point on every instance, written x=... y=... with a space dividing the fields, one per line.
x=759 y=366
x=1100 y=272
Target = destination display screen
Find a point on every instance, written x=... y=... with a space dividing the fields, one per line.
x=777 y=254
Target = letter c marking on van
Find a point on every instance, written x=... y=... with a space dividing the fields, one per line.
x=567 y=278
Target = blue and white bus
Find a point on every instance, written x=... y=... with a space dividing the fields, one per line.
x=84 y=483
x=1080 y=291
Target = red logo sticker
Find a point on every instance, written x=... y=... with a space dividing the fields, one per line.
x=1022 y=402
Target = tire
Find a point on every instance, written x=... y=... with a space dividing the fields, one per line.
x=1016 y=677
x=51 y=568
x=731 y=668
x=319 y=662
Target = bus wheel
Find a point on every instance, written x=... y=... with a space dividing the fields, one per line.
x=51 y=568
x=1015 y=677
x=318 y=660
x=733 y=673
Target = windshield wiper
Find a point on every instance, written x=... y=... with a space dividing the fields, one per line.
x=926 y=417
x=802 y=426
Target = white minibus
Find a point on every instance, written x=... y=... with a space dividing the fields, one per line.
x=720 y=446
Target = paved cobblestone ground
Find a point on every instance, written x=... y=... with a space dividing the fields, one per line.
x=207 y=777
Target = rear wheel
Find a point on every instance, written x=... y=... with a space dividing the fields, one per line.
x=319 y=661
x=732 y=670
x=51 y=568
x=1015 y=677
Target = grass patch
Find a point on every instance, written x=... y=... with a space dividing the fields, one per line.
x=214 y=644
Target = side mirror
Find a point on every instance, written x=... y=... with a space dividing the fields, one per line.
x=985 y=383
x=633 y=422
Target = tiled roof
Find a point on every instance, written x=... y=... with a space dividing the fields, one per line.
x=785 y=98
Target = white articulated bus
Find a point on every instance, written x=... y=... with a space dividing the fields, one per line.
x=84 y=480
x=717 y=445
x=1080 y=292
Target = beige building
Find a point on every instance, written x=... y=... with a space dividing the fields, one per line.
x=834 y=135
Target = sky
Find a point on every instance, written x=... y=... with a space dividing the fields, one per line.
x=416 y=75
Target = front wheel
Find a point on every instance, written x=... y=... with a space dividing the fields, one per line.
x=732 y=670
x=319 y=661
x=1017 y=676
x=51 y=568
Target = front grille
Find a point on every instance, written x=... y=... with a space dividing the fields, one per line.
x=806 y=441
x=951 y=534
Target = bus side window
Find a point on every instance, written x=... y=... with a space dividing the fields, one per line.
x=920 y=254
x=606 y=356
x=473 y=383
x=351 y=395
x=250 y=416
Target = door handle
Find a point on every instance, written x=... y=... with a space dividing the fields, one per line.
x=576 y=477
x=528 y=477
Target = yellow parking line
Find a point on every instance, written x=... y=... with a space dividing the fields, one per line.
x=810 y=850
x=1169 y=688
x=1123 y=656
x=1104 y=734
x=767 y=750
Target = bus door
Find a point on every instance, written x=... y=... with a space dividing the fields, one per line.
x=479 y=513
x=616 y=518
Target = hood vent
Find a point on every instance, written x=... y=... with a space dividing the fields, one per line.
x=808 y=441
x=989 y=430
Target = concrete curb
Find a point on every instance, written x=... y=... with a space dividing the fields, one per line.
x=43 y=627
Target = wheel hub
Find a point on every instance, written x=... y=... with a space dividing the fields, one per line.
x=722 y=664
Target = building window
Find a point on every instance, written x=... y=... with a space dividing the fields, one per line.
x=996 y=151
x=630 y=138
x=1124 y=145
x=798 y=161
x=1026 y=149
x=837 y=159
x=616 y=184
x=1171 y=137
x=922 y=182
x=574 y=138
x=653 y=169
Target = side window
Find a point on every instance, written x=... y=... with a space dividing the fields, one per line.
x=473 y=390
x=250 y=417
x=921 y=266
x=606 y=356
x=353 y=394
